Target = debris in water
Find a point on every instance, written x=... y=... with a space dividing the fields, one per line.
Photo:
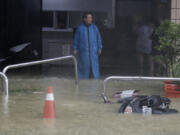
x=146 y=105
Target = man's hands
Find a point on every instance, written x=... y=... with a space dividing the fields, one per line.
x=75 y=52
x=99 y=52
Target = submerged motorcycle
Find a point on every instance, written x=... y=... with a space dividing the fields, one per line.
x=134 y=103
x=143 y=104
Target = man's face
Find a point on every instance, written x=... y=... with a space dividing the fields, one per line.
x=88 y=19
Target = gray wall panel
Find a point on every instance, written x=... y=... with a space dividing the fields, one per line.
x=78 y=5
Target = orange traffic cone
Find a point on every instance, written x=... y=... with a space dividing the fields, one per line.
x=49 y=108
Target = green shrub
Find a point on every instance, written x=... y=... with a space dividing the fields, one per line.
x=169 y=46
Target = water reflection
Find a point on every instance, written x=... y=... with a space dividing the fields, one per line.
x=80 y=111
x=5 y=102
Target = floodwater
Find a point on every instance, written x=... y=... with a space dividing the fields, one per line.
x=80 y=111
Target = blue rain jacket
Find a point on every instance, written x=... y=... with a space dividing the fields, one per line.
x=87 y=42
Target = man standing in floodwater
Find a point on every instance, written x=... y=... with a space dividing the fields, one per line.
x=144 y=46
x=88 y=46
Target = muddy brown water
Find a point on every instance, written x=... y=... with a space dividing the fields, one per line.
x=80 y=111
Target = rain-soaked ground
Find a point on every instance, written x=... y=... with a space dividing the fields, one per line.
x=80 y=111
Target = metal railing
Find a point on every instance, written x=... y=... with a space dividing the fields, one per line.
x=5 y=79
x=5 y=82
x=134 y=78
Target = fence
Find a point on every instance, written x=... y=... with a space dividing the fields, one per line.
x=134 y=78
x=5 y=78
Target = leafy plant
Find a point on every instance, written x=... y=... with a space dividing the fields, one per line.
x=169 y=45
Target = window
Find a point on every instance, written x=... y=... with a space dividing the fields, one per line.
x=47 y=19
x=70 y=19
x=175 y=11
x=61 y=20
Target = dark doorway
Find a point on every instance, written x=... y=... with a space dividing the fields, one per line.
x=20 y=22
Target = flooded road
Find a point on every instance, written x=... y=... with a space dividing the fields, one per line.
x=80 y=111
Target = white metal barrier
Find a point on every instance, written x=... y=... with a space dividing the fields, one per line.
x=5 y=79
x=5 y=82
x=134 y=78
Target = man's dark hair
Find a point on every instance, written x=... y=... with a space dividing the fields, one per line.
x=86 y=14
